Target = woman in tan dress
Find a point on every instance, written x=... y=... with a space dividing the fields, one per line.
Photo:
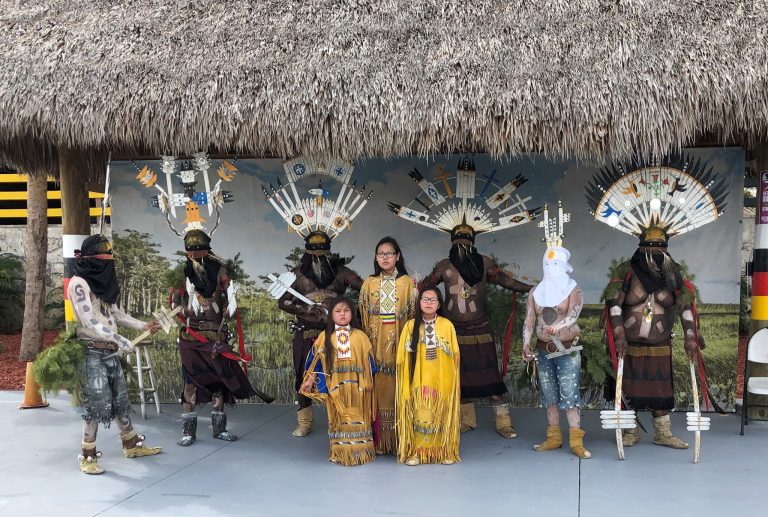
x=387 y=301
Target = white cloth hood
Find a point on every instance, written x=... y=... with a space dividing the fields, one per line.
x=556 y=285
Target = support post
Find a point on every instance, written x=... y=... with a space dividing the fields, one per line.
x=75 y=214
x=759 y=315
x=36 y=244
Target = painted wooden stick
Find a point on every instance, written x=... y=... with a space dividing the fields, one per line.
x=696 y=422
x=617 y=418
x=617 y=406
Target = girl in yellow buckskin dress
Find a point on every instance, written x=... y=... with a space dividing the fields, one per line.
x=339 y=373
x=428 y=395
x=387 y=301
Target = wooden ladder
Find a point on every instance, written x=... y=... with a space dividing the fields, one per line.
x=140 y=365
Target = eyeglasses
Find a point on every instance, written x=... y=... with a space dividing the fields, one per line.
x=426 y=299
x=386 y=254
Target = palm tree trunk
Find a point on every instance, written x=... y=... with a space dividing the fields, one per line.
x=37 y=258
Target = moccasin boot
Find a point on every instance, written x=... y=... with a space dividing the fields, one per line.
x=133 y=445
x=630 y=436
x=576 y=441
x=504 y=421
x=662 y=425
x=219 y=424
x=305 y=419
x=188 y=429
x=89 y=459
x=554 y=439
x=468 y=417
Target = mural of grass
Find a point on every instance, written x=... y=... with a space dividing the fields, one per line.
x=268 y=340
x=148 y=276
x=719 y=328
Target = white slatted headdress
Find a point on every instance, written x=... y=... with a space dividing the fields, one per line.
x=659 y=199
x=458 y=204
x=317 y=212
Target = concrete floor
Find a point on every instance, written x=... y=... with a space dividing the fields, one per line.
x=269 y=472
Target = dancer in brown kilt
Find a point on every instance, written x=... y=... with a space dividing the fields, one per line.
x=211 y=371
x=466 y=274
x=642 y=301
x=653 y=199
x=480 y=375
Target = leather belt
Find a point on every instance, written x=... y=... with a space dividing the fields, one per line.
x=101 y=345
x=206 y=325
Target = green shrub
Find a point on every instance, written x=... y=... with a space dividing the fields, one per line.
x=11 y=292
x=58 y=367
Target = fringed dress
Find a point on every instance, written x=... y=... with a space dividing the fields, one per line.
x=428 y=401
x=346 y=389
x=386 y=304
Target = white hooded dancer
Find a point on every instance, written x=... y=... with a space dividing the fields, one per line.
x=552 y=312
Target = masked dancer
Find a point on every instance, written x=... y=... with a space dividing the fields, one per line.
x=320 y=275
x=552 y=315
x=93 y=291
x=210 y=369
x=653 y=202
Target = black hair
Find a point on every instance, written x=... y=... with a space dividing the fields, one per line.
x=418 y=317
x=399 y=265
x=330 y=328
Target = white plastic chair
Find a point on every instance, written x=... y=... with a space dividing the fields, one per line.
x=757 y=352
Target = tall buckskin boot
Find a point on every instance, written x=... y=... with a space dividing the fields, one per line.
x=631 y=436
x=89 y=459
x=554 y=439
x=504 y=421
x=219 y=424
x=468 y=417
x=663 y=427
x=305 y=419
x=576 y=441
x=188 y=429
x=133 y=445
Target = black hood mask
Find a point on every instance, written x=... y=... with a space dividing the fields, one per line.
x=468 y=261
x=656 y=271
x=99 y=274
x=321 y=269
x=204 y=274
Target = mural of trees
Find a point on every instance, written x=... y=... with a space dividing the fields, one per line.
x=142 y=272
x=146 y=278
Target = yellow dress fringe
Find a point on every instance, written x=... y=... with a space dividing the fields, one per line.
x=349 y=402
x=384 y=331
x=428 y=406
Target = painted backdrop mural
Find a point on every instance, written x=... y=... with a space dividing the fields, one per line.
x=253 y=234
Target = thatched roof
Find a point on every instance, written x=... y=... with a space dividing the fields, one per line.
x=383 y=77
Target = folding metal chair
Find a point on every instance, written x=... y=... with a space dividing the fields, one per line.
x=757 y=352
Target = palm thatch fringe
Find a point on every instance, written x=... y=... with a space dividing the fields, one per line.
x=583 y=78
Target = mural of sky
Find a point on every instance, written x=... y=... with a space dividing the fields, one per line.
x=251 y=226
